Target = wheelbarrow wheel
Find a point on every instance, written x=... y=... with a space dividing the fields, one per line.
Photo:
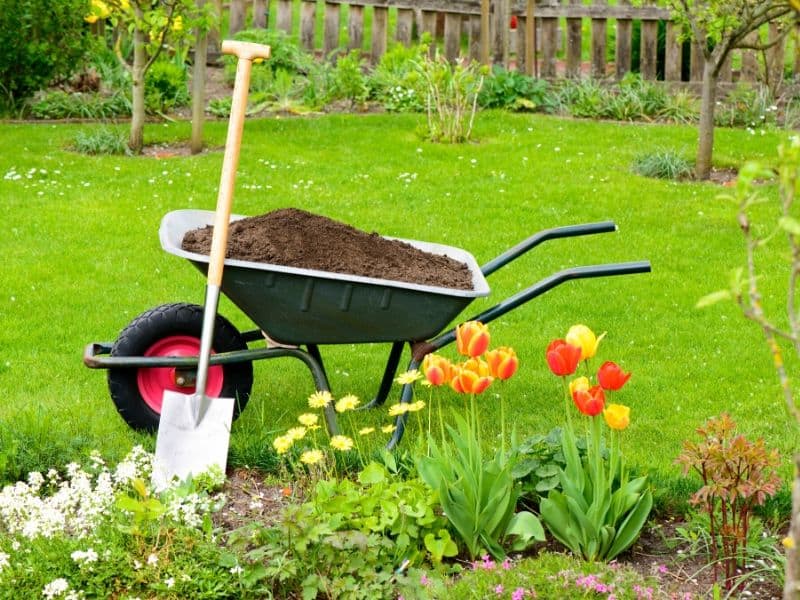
x=174 y=330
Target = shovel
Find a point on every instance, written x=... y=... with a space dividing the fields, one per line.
x=194 y=430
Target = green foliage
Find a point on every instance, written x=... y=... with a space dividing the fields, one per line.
x=395 y=81
x=478 y=496
x=42 y=41
x=662 y=164
x=747 y=106
x=285 y=54
x=101 y=141
x=451 y=98
x=349 y=82
x=348 y=538
x=77 y=105
x=737 y=475
x=166 y=86
x=512 y=90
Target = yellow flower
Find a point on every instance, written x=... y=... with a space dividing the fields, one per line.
x=409 y=377
x=400 y=408
x=388 y=428
x=579 y=383
x=618 y=416
x=788 y=542
x=177 y=24
x=584 y=338
x=366 y=431
x=341 y=442
x=320 y=399
x=282 y=444
x=348 y=402
x=308 y=419
x=311 y=457
x=415 y=406
x=296 y=433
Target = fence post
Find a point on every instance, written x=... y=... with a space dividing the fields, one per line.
x=500 y=32
x=574 y=41
x=599 y=27
x=331 y=35
x=355 y=27
x=429 y=27
x=622 y=59
x=452 y=36
x=380 y=22
x=549 y=43
x=284 y=21
x=649 y=47
x=475 y=38
x=236 y=15
x=775 y=55
x=485 y=29
x=260 y=14
x=405 y=24
x=673 y=58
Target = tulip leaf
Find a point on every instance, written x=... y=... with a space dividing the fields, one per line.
x=632 y=526
x=713 y=298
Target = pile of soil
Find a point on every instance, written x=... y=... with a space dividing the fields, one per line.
x=299 y=239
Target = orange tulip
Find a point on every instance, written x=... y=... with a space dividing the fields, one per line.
x=472 y=338
x=611 y=377
x=502 y=361
x=471 y=377
x=562 y=358
x=590 y=402
x=437 y=369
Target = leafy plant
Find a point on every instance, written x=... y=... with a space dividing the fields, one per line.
x=662 y=164
x=451 y=98
x=166 y=86
x=349 y=82
x=62 y=105
x=598 y=513
x=512 y=90
x=737 y=475
x=746 y=106
x=42 y=41
x=395 y=81
x=101 y=141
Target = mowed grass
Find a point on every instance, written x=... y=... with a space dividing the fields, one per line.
x=81 y=258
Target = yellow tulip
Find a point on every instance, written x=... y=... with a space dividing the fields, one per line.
x=579 y=383
x=618 y=416
x=585 y=339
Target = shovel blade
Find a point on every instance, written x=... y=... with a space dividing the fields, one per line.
x=188 y=446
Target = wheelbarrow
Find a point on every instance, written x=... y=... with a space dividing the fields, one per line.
x=298 y=310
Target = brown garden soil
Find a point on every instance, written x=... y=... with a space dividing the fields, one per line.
x=300 y=239
x=681 y=574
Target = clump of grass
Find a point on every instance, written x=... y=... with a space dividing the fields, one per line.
x=662 y=164
x=101 y=141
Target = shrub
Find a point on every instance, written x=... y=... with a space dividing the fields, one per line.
x=512 y=90
x=746 y=106
x=63 y=105
x=662 y=164
x=166 y=86
x=349 y=82
x=395 y=81
x=101 y=141
x=41 y=41
x=285 y=54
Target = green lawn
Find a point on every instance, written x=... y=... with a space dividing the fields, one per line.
x=82 y=258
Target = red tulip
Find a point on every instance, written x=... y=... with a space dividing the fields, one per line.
x=502 y=361
x=471 y=377
x=563 y=358
x=611 y=377
x=590 y=402
x=437 y=369
x=472 y=338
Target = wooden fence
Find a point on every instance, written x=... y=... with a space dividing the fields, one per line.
x=547 y=40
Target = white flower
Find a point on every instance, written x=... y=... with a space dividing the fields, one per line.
x=55 y=588
x=237 y=570
x=4 y=560
x=152 y=560
x=169 y=582
x=89 y=556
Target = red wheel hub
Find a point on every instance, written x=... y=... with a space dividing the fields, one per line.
x=154 y=381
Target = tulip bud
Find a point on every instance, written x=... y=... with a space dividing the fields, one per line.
x=590 y=402
x=472 y=338
x=562 y=358
x=437 y=369
x=584 y=338
x=502 y=362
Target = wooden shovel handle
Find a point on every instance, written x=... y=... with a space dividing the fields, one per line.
x=246 y=53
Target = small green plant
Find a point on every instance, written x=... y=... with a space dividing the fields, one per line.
x=662 y=164
x=101 y=141
x=737 y=475
x=349 y=82
x=395 y=81
x=63 y=105
x=681 y=106
x=747 y=106
x=451 y=98
x=285 y=54
x=512 y=90
x=166 y=86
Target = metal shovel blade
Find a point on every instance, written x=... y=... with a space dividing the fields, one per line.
x=187 y=445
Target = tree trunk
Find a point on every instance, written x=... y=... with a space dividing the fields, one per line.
x=199 y=87
x=705 y=130
x=136 y=140
x=791 y=586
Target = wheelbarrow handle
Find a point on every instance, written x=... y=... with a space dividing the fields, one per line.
x=544 y=235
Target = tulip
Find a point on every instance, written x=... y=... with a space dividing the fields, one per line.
x=472 y=377
x=579 y=383
x=563 y=358
x=503 y=362
x=472 y=338
x=437 y=369
x=584 y=338
x=617 y=416
x=611 y=377
x=590 y=402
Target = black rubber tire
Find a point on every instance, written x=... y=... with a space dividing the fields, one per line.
x=161 y=322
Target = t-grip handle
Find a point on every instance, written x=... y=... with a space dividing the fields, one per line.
x=245 y=50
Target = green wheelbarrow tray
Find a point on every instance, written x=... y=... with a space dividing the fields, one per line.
x=304 y=306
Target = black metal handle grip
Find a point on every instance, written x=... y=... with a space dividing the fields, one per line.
x=544 y=235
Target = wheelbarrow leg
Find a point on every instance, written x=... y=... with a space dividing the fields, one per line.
x=406 y=395
x=388 y=375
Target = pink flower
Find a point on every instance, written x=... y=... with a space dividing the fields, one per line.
x=663 y=569
x=518 y=594
x=424 y=579
x=498 y=589
x=506 y=564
